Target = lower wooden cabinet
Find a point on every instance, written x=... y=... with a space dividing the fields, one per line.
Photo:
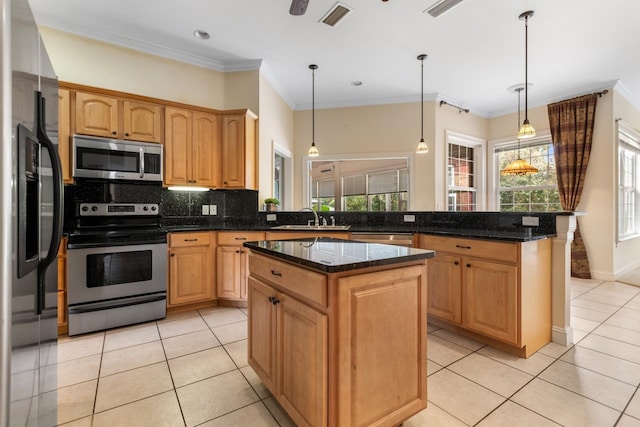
x=339 y=349
x=290 y=351
x=498 y=290
x=191 y=268
x=233 y=263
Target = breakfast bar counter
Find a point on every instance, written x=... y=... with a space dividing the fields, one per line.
x=338 y=329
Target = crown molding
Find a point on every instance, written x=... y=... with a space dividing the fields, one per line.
x=366 y=102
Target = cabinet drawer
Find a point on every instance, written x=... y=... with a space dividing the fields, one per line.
x=179 y=240
x=297 y=280
x=238 y=238
x=499 y=251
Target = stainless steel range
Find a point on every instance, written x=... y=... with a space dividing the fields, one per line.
x=117 y=257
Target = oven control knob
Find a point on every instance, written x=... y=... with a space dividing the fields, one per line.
x=94 y=208
x=85 y=209
x=153 y=208
x=145 y=208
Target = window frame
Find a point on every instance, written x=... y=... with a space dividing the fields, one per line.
x=478 y=146
x=627 y=138
x=493 y=196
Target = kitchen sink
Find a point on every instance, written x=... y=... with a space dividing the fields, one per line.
x=304 y=227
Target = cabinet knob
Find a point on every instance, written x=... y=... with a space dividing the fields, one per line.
x=114 y=132
x=173 y=254
x=456 y=263
x=237 y=251
x=468 y=265
x=275 y=301
x=126 y=134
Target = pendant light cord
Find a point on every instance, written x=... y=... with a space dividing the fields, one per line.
x=526 y=67
x=313 y=105
x=422 y=100
x=518 y=129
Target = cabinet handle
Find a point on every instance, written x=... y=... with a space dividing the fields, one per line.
x=463 y=247
x=126 y=134
x=238 y=251
x=275 y=301
x=276 y=273
x=456 y=263
x=468 y=265
x=190 y=240
x=271 y=299
x=241 y=238
x=173 y=254
x=114 y=132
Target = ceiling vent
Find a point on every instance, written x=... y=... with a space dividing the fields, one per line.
x=441 y=7
x=336 y=14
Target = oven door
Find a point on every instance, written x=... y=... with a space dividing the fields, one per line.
x=105 y=273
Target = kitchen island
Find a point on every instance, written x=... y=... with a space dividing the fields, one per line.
x=338 y=329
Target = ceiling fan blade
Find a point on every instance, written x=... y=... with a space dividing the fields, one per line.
x=298 y=7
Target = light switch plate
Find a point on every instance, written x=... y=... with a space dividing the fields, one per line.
x=213 y=209
x=409 y=218
x=532 y=221
x=271 y=217
x=205 y=209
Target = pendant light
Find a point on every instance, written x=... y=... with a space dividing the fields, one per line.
x=313 y=150
x=526 y=131
x=422 y=146
x=518 y=166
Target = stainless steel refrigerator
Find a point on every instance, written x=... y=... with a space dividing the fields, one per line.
x=30 y=223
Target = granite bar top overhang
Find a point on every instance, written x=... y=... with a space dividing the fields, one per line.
x=336 y=255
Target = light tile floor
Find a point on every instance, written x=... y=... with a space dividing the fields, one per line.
x=191 y=370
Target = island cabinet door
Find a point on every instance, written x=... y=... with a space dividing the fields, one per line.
x=262 y=332
x=491 y=296
x=302 y=362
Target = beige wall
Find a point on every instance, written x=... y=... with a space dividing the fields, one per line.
x=85 y=61
x=241 y=90
x=276 y=128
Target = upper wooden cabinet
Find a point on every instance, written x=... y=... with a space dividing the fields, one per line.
x=102 y=115
x=64 y=134
x=192 y=148
x=239 y=150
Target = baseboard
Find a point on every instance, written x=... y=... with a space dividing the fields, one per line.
x=562 y=336
x=606 y=276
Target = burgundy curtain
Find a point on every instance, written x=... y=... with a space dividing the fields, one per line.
x=572 y=133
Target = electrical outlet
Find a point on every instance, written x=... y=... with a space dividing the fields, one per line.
x=205 y=209
x=409 y=218
x=213 y=209
x=271 y=217
x=532 y=221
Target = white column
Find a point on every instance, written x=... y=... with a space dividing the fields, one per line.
x=561 y=331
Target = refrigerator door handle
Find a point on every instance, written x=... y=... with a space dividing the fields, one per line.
x=56 y=235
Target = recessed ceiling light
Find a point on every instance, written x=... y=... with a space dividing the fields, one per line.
x=356 y=83
x=201 y=34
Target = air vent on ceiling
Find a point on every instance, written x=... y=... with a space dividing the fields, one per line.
x=441 y=7
x=336 y=14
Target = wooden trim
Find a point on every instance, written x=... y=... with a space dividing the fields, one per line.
x=189 y=307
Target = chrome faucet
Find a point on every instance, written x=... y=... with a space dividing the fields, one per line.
x=316 y=221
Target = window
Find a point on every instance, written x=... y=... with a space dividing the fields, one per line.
x=528 y=193
x=278 y=176
x=628 y=182
x=380 y=184
x=464 y=170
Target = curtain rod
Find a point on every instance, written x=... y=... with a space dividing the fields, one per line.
x=604 y=92
x=460 y=109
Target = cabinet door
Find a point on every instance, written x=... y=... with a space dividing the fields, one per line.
x=142 y=121
x=445 y=287
x=190 y=275
x=206 y=150
x=64 y=134
x=262 y=330
x=491 y=298
x=230 y=271
x=177 y=155
x=302 y=358
x=96 y=115
x=233 y=151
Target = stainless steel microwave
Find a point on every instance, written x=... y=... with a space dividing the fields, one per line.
x=116 y=159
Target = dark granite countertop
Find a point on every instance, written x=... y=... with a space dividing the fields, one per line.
x=518 y=235
x=336 y=255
